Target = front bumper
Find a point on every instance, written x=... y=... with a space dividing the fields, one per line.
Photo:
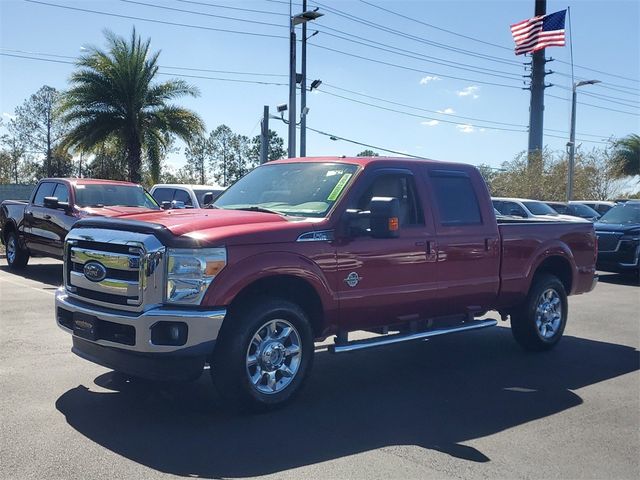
x=626 y=257
x=124 y=340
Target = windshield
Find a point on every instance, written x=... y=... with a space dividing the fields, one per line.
x=299 y=189
x=539 y=208
x=105 y=195
x=200 y=193
x=627 y=213
x=585 y=211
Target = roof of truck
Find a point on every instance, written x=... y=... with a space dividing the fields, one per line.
x=87 y=181
x=364 y=161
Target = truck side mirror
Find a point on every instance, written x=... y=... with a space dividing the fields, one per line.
x=385 y=217
x=207 y=199
x=51 y=202
x=177 y=204
x=516 y=213
x=166 y=205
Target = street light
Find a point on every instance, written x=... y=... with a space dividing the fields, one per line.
x=571 y=145
x=299 y=19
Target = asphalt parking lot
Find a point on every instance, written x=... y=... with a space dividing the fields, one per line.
x=466 y=406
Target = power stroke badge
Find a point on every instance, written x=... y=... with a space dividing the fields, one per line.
x=353 y=279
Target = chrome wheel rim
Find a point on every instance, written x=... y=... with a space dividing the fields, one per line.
x=273 y=356
x=549 y=314
x=11 y=249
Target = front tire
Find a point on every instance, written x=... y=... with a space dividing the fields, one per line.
x=538 y=324
x=17 y=257
x=263 y=354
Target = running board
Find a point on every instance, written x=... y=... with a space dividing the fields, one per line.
x=404 y=337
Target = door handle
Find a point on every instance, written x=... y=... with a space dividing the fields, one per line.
x=47 y=217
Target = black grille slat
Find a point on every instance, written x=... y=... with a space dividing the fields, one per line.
x=608 y=242
x=111 y=272
x=104 y=297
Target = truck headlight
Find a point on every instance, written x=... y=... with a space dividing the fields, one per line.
x=191 y=271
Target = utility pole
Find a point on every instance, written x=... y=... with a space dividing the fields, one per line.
x=264 y=136
x=303 y=88
x=292 y=84
x=536 y=105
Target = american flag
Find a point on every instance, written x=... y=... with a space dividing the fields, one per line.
x=539 y=32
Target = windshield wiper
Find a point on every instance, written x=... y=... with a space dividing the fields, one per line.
x=256 y=208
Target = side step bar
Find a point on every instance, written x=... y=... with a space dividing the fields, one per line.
x=404 y=337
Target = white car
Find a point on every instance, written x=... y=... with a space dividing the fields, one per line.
x=185 y=196
x=526 y=208
x=599 y=206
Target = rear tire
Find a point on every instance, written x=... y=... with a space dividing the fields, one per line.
x=538 y=324
x=263 y=354
x=17 y=257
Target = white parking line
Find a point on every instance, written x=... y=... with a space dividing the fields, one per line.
x=27 y=286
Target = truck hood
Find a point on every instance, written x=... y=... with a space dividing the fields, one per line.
x=207 y=227
x=617 y=227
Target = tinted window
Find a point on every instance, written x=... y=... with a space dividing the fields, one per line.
x=44 y=190
x=585 y=211
x=539 y=208
x=163 y=194
x=564 y=209
x=182 y=196
x=401 y=187
x=61 y=192
x=456 y=199
x=627 y=213
x=105 y=195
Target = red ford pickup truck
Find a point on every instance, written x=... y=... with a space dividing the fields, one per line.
x=303 y=249
x=39 y=226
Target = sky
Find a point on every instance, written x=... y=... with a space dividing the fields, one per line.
x=437 y=79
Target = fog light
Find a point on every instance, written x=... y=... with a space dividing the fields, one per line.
x=169 y=333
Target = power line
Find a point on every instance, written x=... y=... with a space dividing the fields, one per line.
x=436 y=27
x=224 y=17
x=634 y=80
x=419 y=56
x=362 y=144
x=594 y=106
x=234 y=80
x=217 y=5
x=384 y=28
x=380 y=107
x=324 y=84
x=163 y=22
x=170 y=67
x=404 y=67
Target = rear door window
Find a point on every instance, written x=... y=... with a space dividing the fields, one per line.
x=61 y=193
x=455 y=198
x=183 y=196
x=163 y=194
x=44 y=190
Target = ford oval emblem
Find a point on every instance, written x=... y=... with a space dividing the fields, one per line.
x=94 y=271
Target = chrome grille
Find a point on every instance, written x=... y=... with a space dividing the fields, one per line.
x=132 y=280
x=608 y=241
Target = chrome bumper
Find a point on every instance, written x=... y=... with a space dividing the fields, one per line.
x=202 y=326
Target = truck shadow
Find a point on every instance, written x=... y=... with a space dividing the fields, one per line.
x=48 y=273
x=627 y=279
x=435 y=394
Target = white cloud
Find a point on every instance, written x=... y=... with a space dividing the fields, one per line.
x=447 y=111
x=430 y=123
x=427 y=79
x=469 y=91
x=465 y=128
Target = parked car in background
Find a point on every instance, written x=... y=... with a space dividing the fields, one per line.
x=618 y=234
x=575 y=210
x=185 y=196
x=600 y=206
x=525 y=208
x=39 y=226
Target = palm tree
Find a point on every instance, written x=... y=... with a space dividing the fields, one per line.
x=627 y=155
x=113 y=95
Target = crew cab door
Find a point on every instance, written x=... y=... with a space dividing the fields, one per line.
x=36 y=236
x=468 y=246
x=385 y=281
